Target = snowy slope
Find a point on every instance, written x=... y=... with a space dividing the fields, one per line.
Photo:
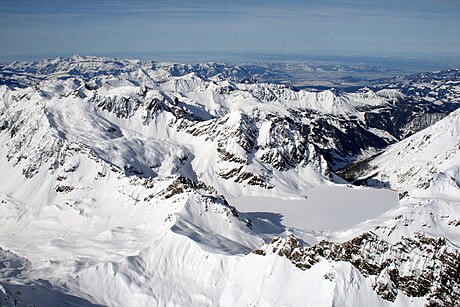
x=116 y=179
x=152 y=136
x=424 y=169
x=98 y=215
x=345 y=126
x=427 y=161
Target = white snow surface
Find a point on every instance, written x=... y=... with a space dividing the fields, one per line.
x=93 y=211
x=425 y=168
x=426 y=163
x=329 y=208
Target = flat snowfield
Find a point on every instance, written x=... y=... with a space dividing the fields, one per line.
x=323 y=208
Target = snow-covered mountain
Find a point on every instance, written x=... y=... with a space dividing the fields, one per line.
x=117 y=179
x=426 y=162
x=313 y=75
x=356 y=124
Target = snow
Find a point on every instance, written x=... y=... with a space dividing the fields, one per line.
x=425 y=163
x=150 y=278
x=104 y=201
x=329 y=208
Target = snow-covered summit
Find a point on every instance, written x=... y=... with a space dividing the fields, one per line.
x=117 y=179
x=427 y=160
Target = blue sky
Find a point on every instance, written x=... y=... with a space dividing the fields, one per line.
x=366 y=28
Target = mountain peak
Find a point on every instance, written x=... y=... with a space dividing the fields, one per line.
x=133 y=178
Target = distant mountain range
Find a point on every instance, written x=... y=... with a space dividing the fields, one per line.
x=117 y=178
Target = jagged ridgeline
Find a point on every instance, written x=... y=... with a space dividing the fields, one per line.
x=122 y=172
x=344 y=127
x=419 y=266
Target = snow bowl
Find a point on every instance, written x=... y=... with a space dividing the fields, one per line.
x=329 y=208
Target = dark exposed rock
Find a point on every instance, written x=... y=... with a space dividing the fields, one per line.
x=64 y=188
x=420 y=267
x=230 y=173
x=239 y=176
x=228 y=156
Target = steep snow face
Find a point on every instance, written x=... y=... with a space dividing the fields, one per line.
x=428 y=162
x=109 y=191
x=424 y=169
x=414 y=266
x=115 y=173
x=226 y=281
x=150 y=134
x=345 y=127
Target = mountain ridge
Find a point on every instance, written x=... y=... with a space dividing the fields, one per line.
x=117 y=187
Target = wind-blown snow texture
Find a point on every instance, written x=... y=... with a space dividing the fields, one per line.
x=117 y=179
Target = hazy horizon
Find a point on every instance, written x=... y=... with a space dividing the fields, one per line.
x=418 y=32
x=403 y=64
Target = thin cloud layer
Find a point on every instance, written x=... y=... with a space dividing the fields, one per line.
x=336 y=27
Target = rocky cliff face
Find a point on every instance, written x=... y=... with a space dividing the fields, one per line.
x=419 y=267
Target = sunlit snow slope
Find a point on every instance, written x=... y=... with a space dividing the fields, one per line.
x=116 y=178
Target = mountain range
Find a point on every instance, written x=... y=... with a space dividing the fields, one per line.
x=135 y=183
